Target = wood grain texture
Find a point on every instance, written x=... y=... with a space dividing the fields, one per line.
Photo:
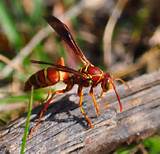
x=64 y=129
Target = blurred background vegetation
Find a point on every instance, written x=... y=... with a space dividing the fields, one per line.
x=122 y=37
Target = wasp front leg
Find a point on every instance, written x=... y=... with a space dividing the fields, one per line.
x=94 y=101
x=80 y=94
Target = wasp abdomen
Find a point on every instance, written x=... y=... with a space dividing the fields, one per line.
x=43 y=78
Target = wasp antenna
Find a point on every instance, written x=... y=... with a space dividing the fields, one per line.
x=118 y=98
x=123 y=82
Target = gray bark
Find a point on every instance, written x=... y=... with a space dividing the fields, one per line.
x=64 y=130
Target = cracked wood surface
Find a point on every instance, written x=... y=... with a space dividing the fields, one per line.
x=64 y=129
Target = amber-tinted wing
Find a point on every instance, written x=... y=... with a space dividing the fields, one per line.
x=65 y=34
x=59 y=67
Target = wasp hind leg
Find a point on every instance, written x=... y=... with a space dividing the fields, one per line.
x=46 y=105
x=40 y=115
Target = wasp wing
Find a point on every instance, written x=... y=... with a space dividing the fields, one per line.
x=59 y=67
x=64 y=32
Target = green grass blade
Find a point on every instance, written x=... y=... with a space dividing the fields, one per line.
x=152 y=144
x=24 y=139
x=38 y=95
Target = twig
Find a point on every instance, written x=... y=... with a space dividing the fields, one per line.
x=10 y=107
x=43 y=33
x=107 y=38
x=144 y=61
x=8 y=62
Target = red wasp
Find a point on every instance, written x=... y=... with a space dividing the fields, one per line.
x=87 y=76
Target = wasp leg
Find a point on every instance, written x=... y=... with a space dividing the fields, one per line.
x=101 y=95
x=80 y=94
x=44 y=109
x=48 y=95
x=94 y=101
x=61 y=61
x=34 y=128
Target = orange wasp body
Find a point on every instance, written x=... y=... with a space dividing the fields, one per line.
x=87 y=76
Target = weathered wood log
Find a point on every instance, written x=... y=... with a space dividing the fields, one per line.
x=64 y=129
